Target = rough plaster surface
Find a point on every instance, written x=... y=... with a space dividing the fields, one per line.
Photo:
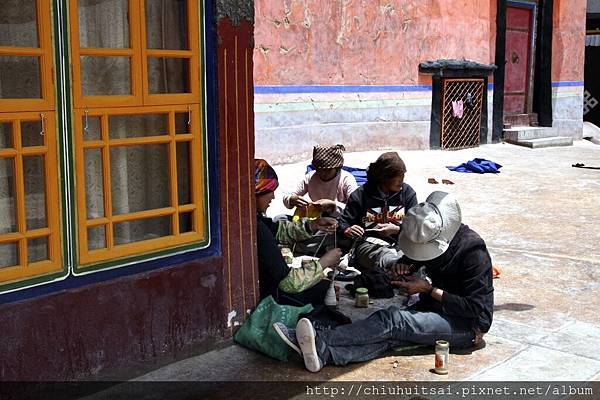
x=539 y=218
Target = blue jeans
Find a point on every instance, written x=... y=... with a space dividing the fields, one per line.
x=388 y=329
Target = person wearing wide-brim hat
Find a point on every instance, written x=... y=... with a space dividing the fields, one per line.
x=457 y=305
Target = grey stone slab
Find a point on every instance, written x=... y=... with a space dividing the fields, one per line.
x=558 y=141
x=537 y=363
x=527 y=133
x=582 y=329
x=518 y=332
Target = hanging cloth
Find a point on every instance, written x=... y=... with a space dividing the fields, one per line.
x=458 y=108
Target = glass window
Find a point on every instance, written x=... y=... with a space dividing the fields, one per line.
x=131 y=126
x=105 y=76
x=20 y=77
x=103 y=23
x=166 y=24
x=18 y=23
x=8 y=221
x=168 y=75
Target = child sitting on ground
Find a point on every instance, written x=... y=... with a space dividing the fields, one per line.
x=373 y=215
x=328 y=186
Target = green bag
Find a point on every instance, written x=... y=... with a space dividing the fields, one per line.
x=257 y=332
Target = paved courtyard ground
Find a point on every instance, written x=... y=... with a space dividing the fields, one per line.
x=541 y=220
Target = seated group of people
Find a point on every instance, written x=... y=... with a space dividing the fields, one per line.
x=388 y=230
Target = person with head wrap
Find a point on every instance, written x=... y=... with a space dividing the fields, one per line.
x=272 y=268
x=328 y=186
x=373 y=215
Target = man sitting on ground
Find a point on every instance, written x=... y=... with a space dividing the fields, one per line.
x=457 y=306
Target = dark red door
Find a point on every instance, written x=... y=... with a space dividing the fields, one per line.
x=518 y=59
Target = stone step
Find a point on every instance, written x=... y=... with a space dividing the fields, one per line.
x=519 y=133
x=556 y=141
x=513 y=120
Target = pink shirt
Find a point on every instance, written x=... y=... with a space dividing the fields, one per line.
x=339 y=189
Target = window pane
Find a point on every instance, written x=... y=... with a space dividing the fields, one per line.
x=105 y=76
x=103 y=23
x=30 y=133
x=19 y=77
x=8 y=221
x=96 y=238
x=6 y=135
x=91 y=128
x=130 y=126
x=94 y=186
x=144 y=229
x=35 y=192
x=18 y=23
x=9 y=255
x=181 y=123
x=166 y=24
x=139 y=178
x=185 y=222
x=183 y=172
x=37 y=249
x=168 y=75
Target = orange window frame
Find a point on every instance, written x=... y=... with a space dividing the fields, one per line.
x=197 y=165
x=138 y=54
x=54 y=262
x=139 y=102
x=15 y=111
x=44 y=52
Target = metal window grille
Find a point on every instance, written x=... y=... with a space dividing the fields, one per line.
x=460 y=133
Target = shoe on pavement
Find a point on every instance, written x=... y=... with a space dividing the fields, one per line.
x=288 y=335
x=306 y=339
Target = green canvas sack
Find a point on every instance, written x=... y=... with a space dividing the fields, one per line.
x=257 y=332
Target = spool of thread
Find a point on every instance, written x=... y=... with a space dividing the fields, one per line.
x=330 y=298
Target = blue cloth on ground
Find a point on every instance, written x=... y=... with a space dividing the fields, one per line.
x=478 y=166
x=360 y=174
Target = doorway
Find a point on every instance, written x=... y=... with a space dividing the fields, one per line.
x=521 y=25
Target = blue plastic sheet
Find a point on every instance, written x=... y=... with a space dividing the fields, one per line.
x=478 y=166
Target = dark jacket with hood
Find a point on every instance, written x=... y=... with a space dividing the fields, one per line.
x=368 y=206
x=464 y=273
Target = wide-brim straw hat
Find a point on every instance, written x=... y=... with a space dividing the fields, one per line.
x=429 y=227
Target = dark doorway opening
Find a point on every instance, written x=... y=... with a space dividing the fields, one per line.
x=523 y=79
x=591 y=97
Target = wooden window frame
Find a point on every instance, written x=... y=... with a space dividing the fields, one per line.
x=54 y=262
x=139 y=102
x=15 y=111
x=197 y=185
x=138 y=54
x=44 y=53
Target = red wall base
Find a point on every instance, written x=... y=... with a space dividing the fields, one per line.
x=116 y=329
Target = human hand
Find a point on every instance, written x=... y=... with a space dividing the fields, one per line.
x=387 y=229
x=331 y=258
x=325 y=205
x=326 y=224
x=401 y=269
x=298 y=201
x=413 y=285
x=354 y=231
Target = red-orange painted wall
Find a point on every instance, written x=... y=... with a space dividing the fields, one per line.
x=568 y=50
x=366 y=42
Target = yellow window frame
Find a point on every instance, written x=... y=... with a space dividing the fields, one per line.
x=15 y=111
x=105 y=144
x=54 y=263
x=138 y=54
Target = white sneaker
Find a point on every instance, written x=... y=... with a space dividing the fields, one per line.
x=305 y=333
